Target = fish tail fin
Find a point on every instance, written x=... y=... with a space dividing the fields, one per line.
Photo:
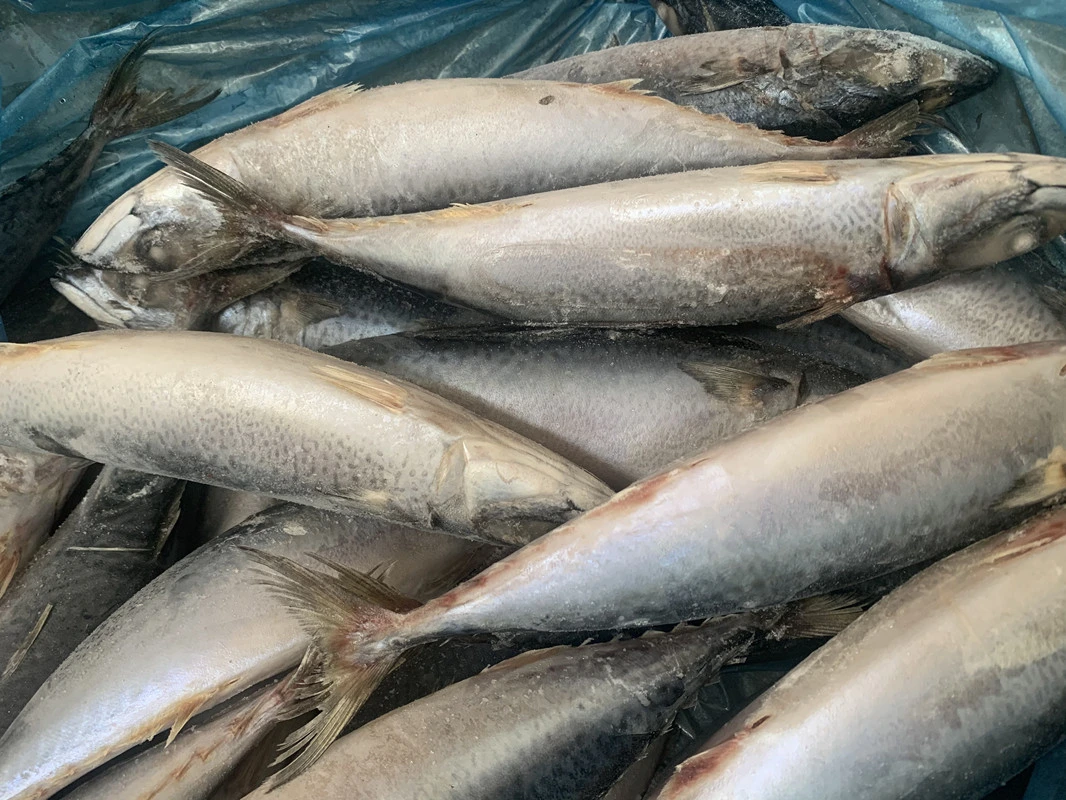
x=884 y=136
x=814 y=618
x=354 y=620
x=122 y=109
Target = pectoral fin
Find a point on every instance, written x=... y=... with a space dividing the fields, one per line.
x=737 y=386
x=1043 y=482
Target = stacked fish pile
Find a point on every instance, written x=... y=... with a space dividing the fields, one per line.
x=415 y=577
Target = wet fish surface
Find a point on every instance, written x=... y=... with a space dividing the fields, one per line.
x=990 y=308
x=789 y=240
x=622 y=404
x=968 y=659
x=823 y=497
x=561 y=722
x=32 y=208
x=274 y=419
x=427 y=144
x=324 y=305
x=203 y=631
x=34 y=488
x=104 y=551
x=806 y=80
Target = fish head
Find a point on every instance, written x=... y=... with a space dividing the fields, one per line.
x=511 y=492
x=969 y=211
x=163 y=226
x=147 y=302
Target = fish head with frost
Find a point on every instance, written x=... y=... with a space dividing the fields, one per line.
x=146 y=302
x=162 y=226
x=971 y=211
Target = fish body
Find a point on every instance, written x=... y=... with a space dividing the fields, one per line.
x=103 y=552
x=990 y=308
x=791 y=240
x=863 y=483
x=324 y=305
x=944 y=689
x=203 y=631
x=562 y=722
x=32 y=208
x=274 y=419
x=427 y=144
x=33 y=490
x=622 y=404
x=806 y=80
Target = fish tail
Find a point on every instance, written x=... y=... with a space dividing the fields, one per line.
x=122 y=109
x=884 y=136
x=354 y=619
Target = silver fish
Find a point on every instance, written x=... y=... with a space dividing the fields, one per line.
x=138 y=302
x=558 y=723
x=33 y=489
x=104 y=551
x=945 y=688
x=32 y=208
x=991 y=308
x=324 y=305
x=202 y=632
x=873 y=479
x=274 y=419
x=791 y=240
x=621 y=404
x=807 y=80
x=427 y=144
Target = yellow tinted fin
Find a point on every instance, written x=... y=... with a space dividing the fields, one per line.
x=1043 y=482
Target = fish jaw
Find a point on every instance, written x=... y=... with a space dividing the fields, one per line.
x=92 y=292
x=973 y=213
x=510 y=494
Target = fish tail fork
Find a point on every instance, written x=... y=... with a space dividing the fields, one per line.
x=354 y=619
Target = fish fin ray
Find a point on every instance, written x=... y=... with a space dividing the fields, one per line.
x=963 y=359
x=121 y=109
x=816 y=617
x=24 y=648
x=824 y=311
x=884 y=136
x=340 y=614
x=623 y=87
x=732 y=385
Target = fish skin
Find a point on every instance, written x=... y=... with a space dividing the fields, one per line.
x=33 y=490
x=622 y=404
x=705 y=247
x=203 y=631
x=223 y=410
x=806 y=80
x=138 y=302
x=32 y=208
x=81 y=587
x=994 y=307
x=198 y=760
x=426 y=144
x=562 y=722
x=959 y=676
x=324 y=305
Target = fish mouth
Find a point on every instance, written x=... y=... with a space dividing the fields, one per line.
x=116 y=226
x=87 y=304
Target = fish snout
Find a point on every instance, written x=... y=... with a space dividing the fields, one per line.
x=972 y=212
